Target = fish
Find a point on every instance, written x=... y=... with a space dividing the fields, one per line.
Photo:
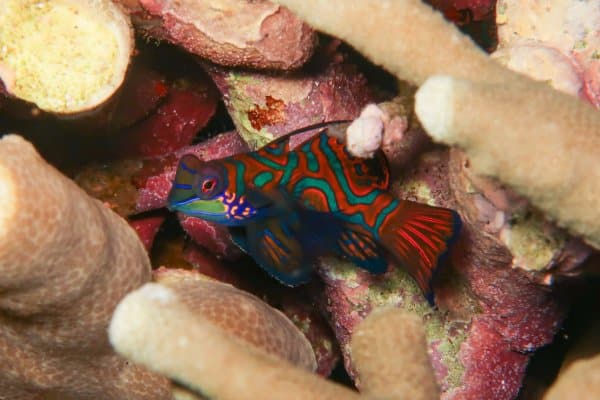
x=287 y=207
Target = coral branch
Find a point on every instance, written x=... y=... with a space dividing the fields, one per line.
x=255 y=321
x=545 y=145
x=65 y=262
x=390 y=355
x=422 y=42
x=153 y=327
x=65 y=56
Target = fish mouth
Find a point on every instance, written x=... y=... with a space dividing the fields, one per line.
x=210 y=210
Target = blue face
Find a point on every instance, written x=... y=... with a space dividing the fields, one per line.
x=200 y=190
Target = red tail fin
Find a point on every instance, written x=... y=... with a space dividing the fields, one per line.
x=418 y=235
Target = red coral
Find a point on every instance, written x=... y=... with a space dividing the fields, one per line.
x=141 y=93
x=211 y=236
x=174 y=125
x=493 y=371
x=209 y=265
x=147 y=227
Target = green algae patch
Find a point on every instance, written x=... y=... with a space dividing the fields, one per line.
x=532 y=243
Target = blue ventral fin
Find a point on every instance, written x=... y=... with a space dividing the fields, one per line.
x=274 y=238
x=275 y=245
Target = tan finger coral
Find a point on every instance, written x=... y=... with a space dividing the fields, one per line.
x=65 y=56
x=241 y=314
x=543 y=143
x=389 y=352
x=407 y=37
x=154 y=327
x=65 y=262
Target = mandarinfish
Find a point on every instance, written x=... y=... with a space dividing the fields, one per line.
x=287 y=207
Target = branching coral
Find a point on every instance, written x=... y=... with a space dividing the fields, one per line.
x=530 y=117
x=241 y=314
x=390 y=354
x=189 y=349
x=543 y=143
x=579 y=377
x=489 y=300
x=65 y=262
x=153 y=326
x=407 y=37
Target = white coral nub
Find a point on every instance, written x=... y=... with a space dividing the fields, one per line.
x=365 y=134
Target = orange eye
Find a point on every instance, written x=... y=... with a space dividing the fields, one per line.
x=208 y=185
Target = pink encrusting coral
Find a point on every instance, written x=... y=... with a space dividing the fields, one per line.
x=147 y=227
x=267 y=106
x=212 y=237
x=143 y=185
x=257 y=34
x=173 y=125
x=558 y=44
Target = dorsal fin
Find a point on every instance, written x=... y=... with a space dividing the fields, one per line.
x=365 y=174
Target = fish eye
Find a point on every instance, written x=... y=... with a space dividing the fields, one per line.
x=208 y=185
